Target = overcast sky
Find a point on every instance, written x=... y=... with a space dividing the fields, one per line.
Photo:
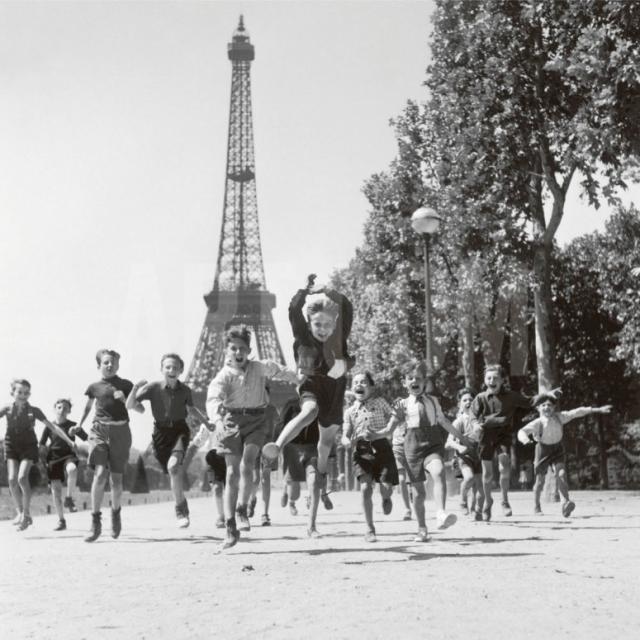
x=113 y=130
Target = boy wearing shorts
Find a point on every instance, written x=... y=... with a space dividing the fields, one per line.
x=109 y=439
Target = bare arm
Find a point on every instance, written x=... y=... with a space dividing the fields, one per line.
x=133 y=404
x=83 y=417
x=200 y=417
x=60 y=433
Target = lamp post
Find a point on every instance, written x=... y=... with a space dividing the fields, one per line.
x=426 y=221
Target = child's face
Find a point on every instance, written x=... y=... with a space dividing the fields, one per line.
x=108 y=366
x=361 y=387
x=466 y=401
x=21 y=393
x=322 y=325
x=237 y=353
x=493 y=381
x=414 y=383
x=546 y=408
x=171 y=370
x=62 y=411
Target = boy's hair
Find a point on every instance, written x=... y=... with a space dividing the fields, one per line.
x=545 y=397
x=464 y=391
x=63 y=401
x=494 y=367
x=19 y=381
x=415 y=367
x=367 y=375
x=172 y=356
x=238 y=333
x=323 y=304
x=106 y=352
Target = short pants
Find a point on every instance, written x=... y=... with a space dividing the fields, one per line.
x=242 y=427
x=493 y=440
x=56 y=464
x=328 y=393
x=21 y=448
x=169 y=440
x=217 y=465
x=421 y=445
x=547 y=455
x=296 y=458
x=109 y=445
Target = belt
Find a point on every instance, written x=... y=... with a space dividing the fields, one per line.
x=111 y=423
x=257 y=411
x=167 y=424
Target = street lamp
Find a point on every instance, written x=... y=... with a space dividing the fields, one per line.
x=426 y=221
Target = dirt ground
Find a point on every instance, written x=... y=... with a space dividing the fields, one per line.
x=525 y=576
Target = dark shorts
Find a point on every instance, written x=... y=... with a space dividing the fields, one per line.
x=21 y=449
x=296 y=458
x=328 y=393
x=547 y=455
x=421 y=445
x=493 y=440
x=471 y=458
x=375 y=459
x=169 y=440
x=109 y=445
x=56 y=464
x=243 y=429
x=217 y=465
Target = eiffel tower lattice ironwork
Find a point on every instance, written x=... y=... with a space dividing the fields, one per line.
x=239 y=295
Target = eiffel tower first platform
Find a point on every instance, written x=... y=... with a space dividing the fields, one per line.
x=239 y=295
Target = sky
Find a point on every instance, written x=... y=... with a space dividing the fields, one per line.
x=113 y=122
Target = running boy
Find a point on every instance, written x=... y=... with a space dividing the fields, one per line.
x=109 y=438
x=171 y=403
x=21 y=447
x=424 y=445
x=373 y=459
x=62 y=460
x=547 y=432
x=320 y=351
x=468 y=458
x=237 y=402
x=494 y=410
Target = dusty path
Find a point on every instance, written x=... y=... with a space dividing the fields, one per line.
x=533 y=577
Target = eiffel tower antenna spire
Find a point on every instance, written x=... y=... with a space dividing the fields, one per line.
x=239 y=295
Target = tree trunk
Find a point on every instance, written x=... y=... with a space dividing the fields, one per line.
x=604 y=469
x=545 y=340
x=467 y=352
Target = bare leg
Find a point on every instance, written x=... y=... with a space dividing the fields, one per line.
x=487 y=482
x=419 y=497
x=247 y=465
x=404 y=489
x=561 y=476
x=325 y=444
x=56 y=494
x=308 y=413
x=266 y=489
x=314 y=491
x=467 y=483
x=14 y=487
x=435 y=467
x=72 y=478
x=366 y=492
x=537 y=492
x=25 y=486
x=116 y=491
x=232 y=485
x=504 y=465
x=100 y=475
x=175 y=477
x=218 y=493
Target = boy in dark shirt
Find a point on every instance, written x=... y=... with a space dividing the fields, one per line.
x=494 y=410
x=21 y=447
x=109 y=438
x=171 y=403
x=320 y=350
x=62 y=460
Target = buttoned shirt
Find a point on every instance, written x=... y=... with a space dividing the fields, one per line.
x=550 y=430
x=409 y=410
x=21 y=419
x=168 y=404
x=366 y=419
x=496 y=410
x=234 y=388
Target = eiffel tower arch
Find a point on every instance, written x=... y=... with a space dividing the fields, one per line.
x=239 y=295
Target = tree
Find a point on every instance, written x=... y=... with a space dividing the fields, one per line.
x=525 y=96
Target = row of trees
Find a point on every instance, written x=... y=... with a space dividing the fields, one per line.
x=526 y=99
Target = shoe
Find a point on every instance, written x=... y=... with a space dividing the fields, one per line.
x=312 y=532
x=96 y=527
x=477 y=516
x=293 y=510
x=241 y=512
x=445 y=520
x=233 y=535
x=220 y=523
x=387 y=506
x=284 y=498
x=307 y=502
x=370 y=536
x=537 y=510
x=326 y=501
x=251 y=509
x=26 y=521
x=266 y=521
x=116 y=522
x=506 y=510
x=464 y=508
x=182 y=514
x=407 y=515
x=17 y=520
x=567 y=508
x=70 y=504
x=486 y=512
x=61 y=526
x=421 y=536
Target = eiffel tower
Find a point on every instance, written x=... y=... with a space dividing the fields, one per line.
x=239 y=295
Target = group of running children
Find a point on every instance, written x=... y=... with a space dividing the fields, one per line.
x=391 y=445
